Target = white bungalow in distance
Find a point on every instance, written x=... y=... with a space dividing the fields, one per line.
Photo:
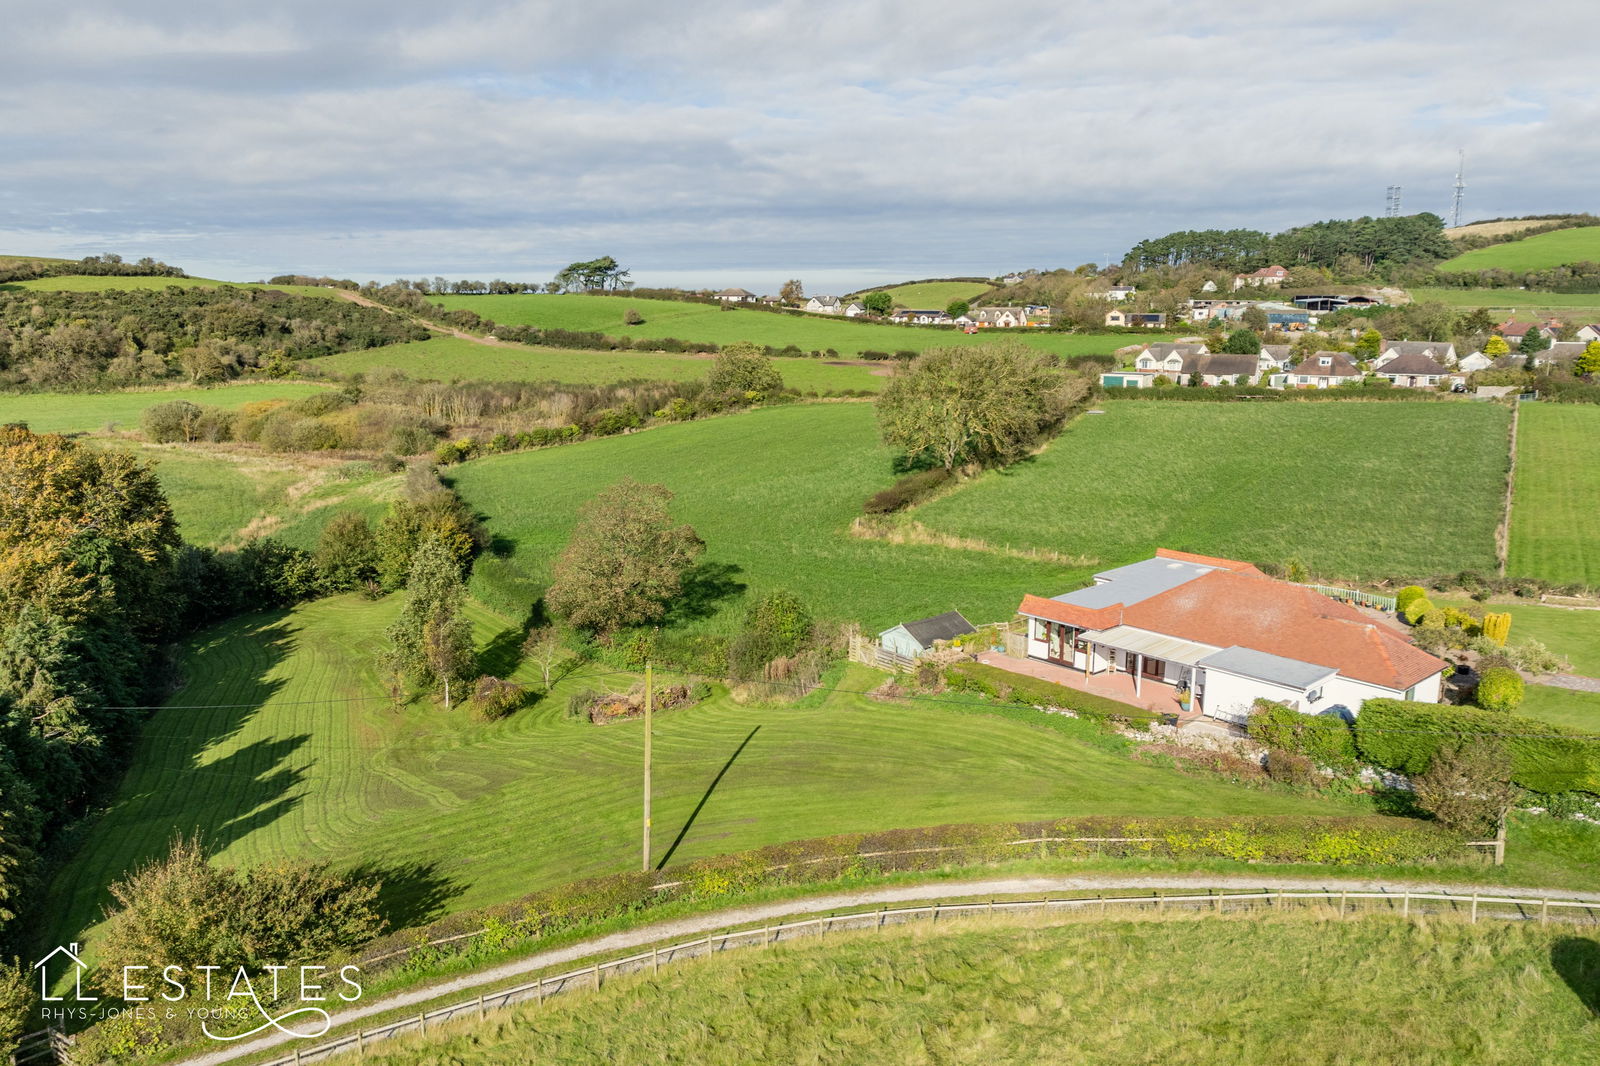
x=738 y=296
x=1230 y=635
x=824 y=305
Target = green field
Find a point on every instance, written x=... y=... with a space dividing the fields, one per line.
x=704 y=322
x=281 y=744
x=935 y=294
x=1566 y=306
x=454 y=359
x=83 y=412
x=772 y=492
x=1539 y=252
x=1352 y=489
x=1555 y=515
x=102 y=283
x=1562 y=706
x=1257 y=989
x=215 y=495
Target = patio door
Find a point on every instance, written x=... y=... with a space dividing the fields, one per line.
x=1056 y=646
x=1154 y=668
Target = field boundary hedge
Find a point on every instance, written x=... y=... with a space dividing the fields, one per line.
x=1334 y=840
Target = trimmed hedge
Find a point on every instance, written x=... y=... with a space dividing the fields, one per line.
x=1020 y=688
x=1325 y=739
x=1404 y=736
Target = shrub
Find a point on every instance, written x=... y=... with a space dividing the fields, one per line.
x=1405 y=736
x=1325 y=739
x=1500 y=689
x=1467 y=787
x=579 y=702
x=631 y=317
x=1432 y=618
x=1408 y=595
x=908 y=490
x=1497 y=627
x=1416 y=610
x=1285 y=767
x=165 y=423
x=613 y=420
x=495 y=698
x=1534 y=657
x=347 y=552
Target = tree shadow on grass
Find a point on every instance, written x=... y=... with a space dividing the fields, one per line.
x=1577 y=960
x=503 y=654
x=705 y=586
x=698 y=807
x=409 y=893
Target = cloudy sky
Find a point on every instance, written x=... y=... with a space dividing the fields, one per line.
x=741 y=143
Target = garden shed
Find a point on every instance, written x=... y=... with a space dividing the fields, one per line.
x=915 y=639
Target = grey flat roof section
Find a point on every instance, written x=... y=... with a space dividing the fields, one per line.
x=1262 y=666
x=1135 y=582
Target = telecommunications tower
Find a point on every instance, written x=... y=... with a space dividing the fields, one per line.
x=1391 y=203
x=1461 y=186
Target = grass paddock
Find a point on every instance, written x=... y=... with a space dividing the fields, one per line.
x=1254 y=988
x=1555 y=514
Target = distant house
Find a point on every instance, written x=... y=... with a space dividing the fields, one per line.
x=824 y=305
x=915 y=639
x=1560 y=353
x=1275 y=356
x=1289 y=320
x=1117 y=317
x=1513 y=331
x=1228 y=634
x=853 y=309
x=1149 y=320
x=1321 y=370
x=738 y=296
x=929 y=317
x=1472 y=363
x=1000 y=317
x=1413 y=370
x=1011 y=279
x=1272 y=275
x=1443 y=351
x=1220 y=368
x=1321 y=304
x=1119 y=293
x=1166 y=358
x=1038 y=314
x=1209 y=286
x=1588 y=333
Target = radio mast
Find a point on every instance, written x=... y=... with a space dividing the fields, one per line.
x=1391 y=203
x=1455 y=206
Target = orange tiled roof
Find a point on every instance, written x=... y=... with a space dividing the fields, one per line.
x=1071 y=614
x=1226 y=607
x=1207 y=560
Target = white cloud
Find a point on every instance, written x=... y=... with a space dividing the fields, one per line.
x=877 y=135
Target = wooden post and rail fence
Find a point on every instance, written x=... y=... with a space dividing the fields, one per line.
x=50 y=1046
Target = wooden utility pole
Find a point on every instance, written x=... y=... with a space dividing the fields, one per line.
x=649 y=692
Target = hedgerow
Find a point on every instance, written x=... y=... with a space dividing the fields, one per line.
x=1001 y=684
x=1325 y=739
x=1367 y=840
x=1405 y=736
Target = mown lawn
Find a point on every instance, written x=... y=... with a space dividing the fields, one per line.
x=1570 y=633
x=705 y=322
x=1563 y=706
x=1543 y=250
x=454 y=359
x=281 y=744
x=1352 y=489
x=1248 y=989
x=772 y=492
x=1555 y=515
x=81 y=412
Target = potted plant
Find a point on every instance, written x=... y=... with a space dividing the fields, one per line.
x=1184 y=696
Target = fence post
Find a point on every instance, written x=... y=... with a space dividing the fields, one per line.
x=422 y=1022
x=935 y=918
x=1342 y=896
x=480 y=1006
x=361 y=1041
x=1544 y=911
x=1160 y=901
x=881 y=914
x=1218 y=905
x=655 y=960
x=539 y=995
x=597 y=972
x=296 y=1057
x=1474 y=907
x=1405 y=907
